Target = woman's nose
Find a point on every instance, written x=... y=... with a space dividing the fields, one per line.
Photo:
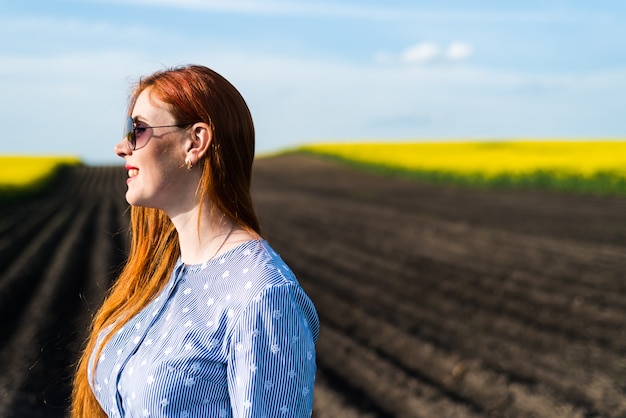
x=122 y=148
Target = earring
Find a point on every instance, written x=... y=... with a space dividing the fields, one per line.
x=189 y=165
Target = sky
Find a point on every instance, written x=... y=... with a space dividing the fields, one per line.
x=318 y=71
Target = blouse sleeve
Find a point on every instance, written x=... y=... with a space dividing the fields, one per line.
x=271 y=369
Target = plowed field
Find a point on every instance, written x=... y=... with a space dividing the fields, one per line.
x=434 y=301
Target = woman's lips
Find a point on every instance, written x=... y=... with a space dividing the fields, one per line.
x=132 y=172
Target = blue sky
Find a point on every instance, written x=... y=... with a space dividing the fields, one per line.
x=314 y=71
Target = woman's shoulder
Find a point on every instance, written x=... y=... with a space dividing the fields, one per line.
x=262 y=268
x=244 y=272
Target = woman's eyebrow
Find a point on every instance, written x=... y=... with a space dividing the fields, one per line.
x=139 y=118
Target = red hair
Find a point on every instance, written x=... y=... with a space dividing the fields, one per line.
x=198 y=94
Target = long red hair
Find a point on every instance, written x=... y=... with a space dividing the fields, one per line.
x=193 y=93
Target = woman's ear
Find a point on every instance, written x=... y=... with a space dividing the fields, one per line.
x=198 y=144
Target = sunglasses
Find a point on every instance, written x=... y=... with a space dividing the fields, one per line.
x=134 y=132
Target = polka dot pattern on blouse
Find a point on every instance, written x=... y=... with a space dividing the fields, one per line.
x=232 y=337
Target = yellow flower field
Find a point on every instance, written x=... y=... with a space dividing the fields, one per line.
x=21 y=171
x=591 y=166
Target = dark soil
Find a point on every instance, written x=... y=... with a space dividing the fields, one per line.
x=434 y=301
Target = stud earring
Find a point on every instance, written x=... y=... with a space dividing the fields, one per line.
x=189 y=165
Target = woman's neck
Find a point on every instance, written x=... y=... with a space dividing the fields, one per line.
x=214 y=235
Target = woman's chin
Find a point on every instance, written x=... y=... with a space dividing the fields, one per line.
x=135 y=200
x=132 y=199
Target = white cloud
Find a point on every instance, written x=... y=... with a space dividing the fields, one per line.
x=427 y=52
x=357 y=10
x=422 y=52
x=459 y=51
x=275 y=7
x=241 y=6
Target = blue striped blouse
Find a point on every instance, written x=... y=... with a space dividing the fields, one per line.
x=233 y=337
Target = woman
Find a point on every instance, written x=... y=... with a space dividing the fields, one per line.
x=205 y=320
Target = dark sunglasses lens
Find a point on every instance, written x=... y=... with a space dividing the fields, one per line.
x=129 y=132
